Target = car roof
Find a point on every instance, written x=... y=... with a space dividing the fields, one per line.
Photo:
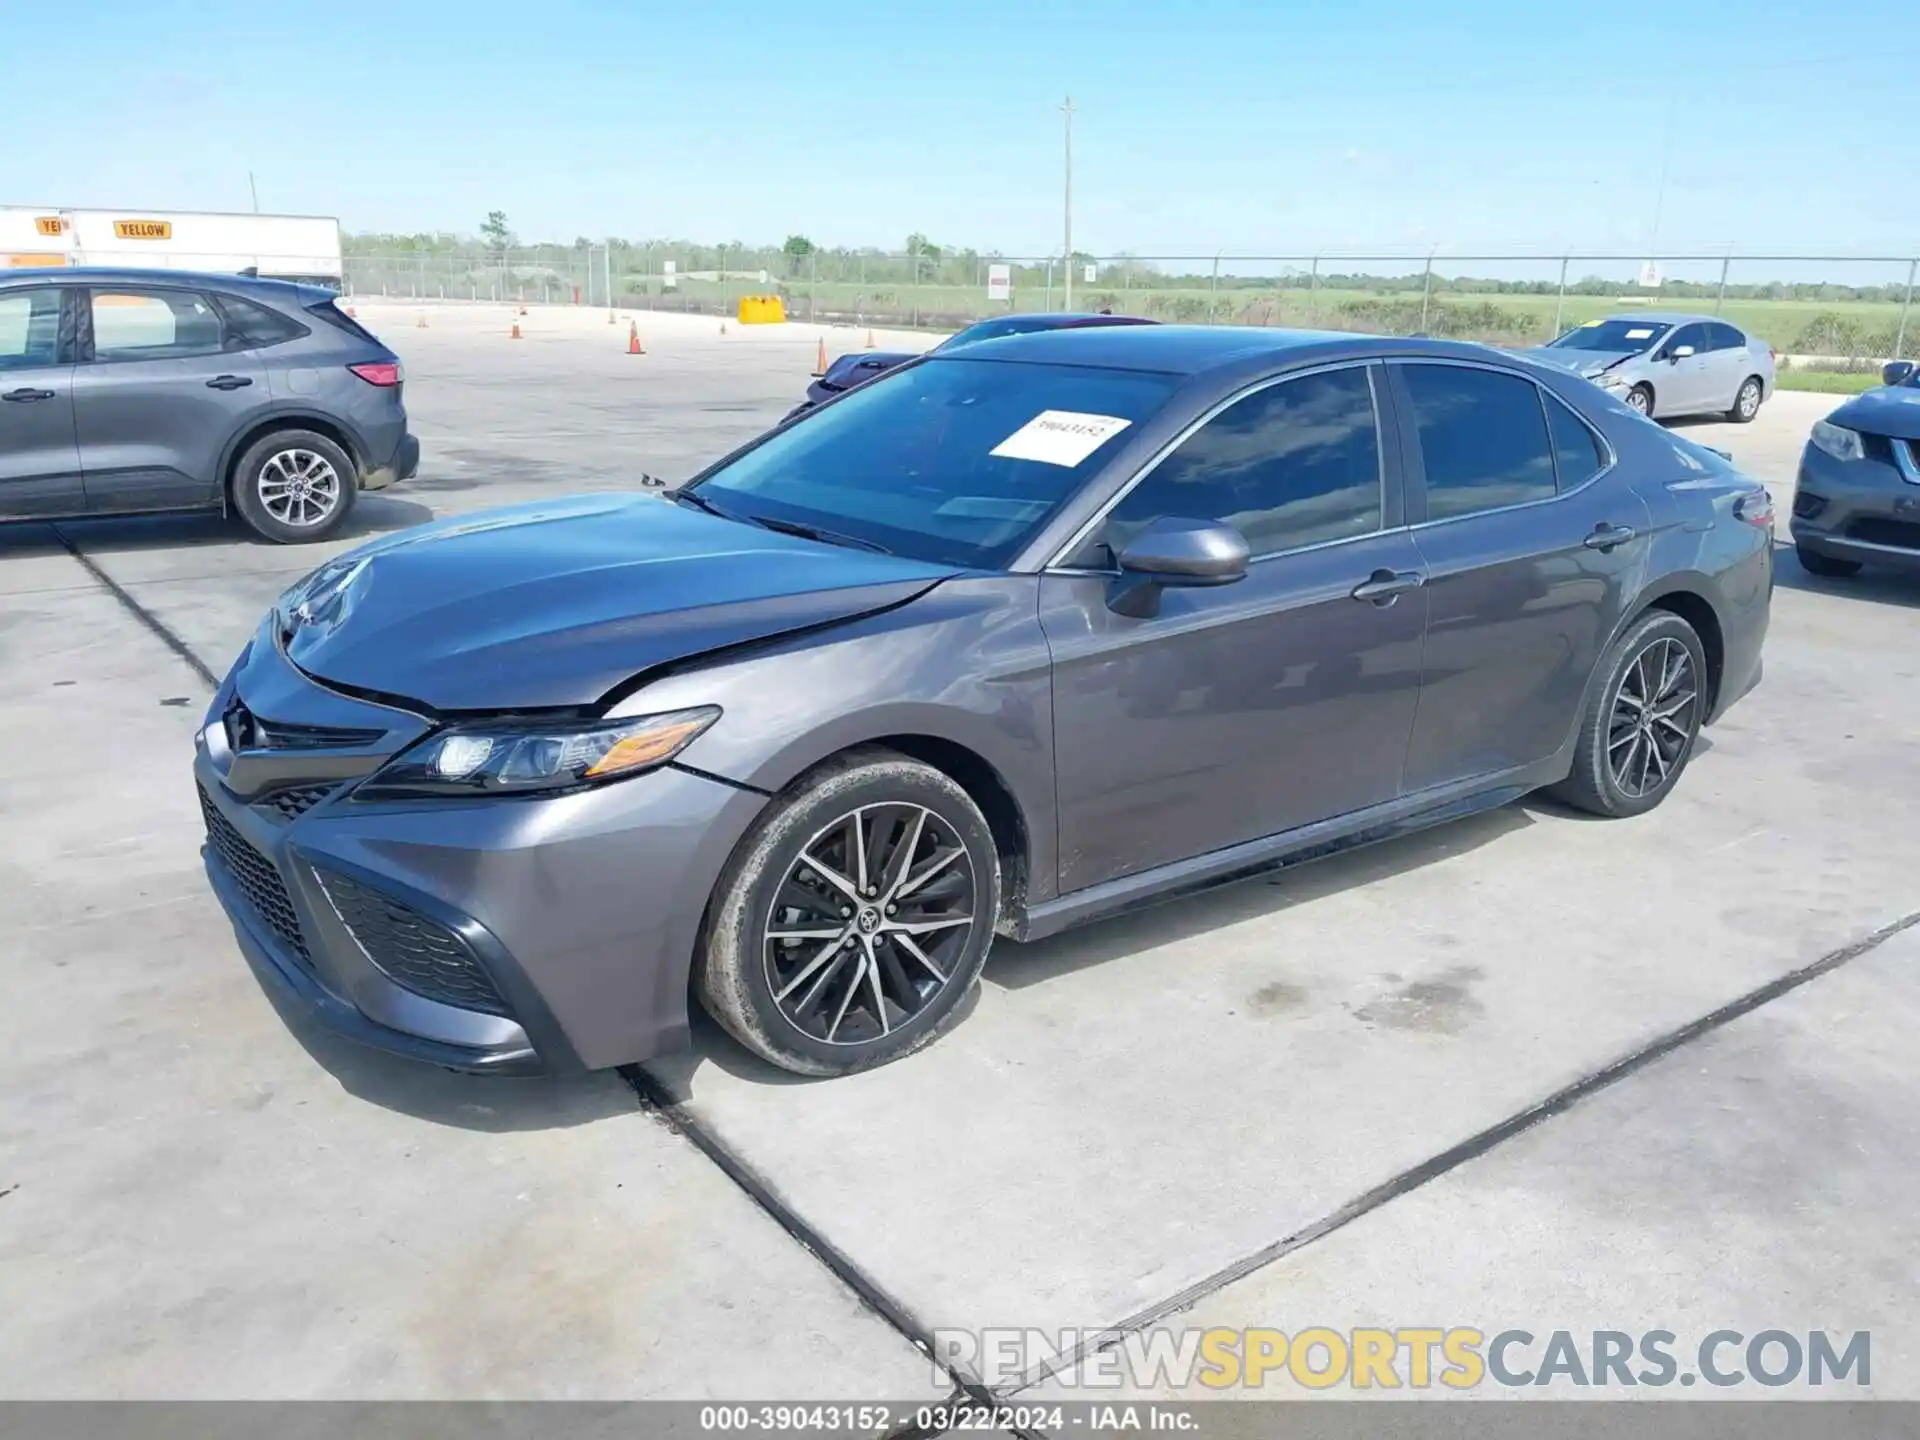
x=1198 y=349
x=1672 y=317
x=135 y=275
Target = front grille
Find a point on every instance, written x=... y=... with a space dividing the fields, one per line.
x=292 y=804
x=416 y=953
x=248 y=731
x=259 y=881
x=1808 y=507
x=1878 y=530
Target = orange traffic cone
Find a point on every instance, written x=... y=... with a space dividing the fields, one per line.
x=351 y=315
x=514 y=334
x=633 y=338
x=870 y=339
x=820 y=365
x=610 y=317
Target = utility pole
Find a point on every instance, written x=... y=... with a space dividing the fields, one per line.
x=254 y=190
x=1067 y=255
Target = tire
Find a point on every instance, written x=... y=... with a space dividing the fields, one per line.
x=1746 y=401
x=806 y=1001
x=1640 y=398
x=1814 y=563
x=1613 y=771
x=268 y=479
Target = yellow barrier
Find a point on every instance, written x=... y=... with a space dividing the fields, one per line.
x=762 y=310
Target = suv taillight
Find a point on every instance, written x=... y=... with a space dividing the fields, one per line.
x=382 y=372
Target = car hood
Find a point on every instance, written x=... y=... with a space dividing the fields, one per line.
x=1581 y=362
x=557 y=604
x=1891 y=410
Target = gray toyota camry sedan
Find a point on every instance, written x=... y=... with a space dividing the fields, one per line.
x=1000 y=642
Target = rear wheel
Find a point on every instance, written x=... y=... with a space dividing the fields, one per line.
x=852 y=924
x=294 y=486
x=1642 y=720
x=1814 y=563
x=1746 y=404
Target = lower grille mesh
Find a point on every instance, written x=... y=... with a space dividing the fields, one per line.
x=416 y=952
x=259 y=881
x=292 y=804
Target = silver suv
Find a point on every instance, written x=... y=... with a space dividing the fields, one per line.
x=127 y=391
x=1664 y=364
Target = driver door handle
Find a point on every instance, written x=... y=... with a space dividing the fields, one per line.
x=1605 y=537
x=27 y=395
x=228 y=382
x=1383 y=587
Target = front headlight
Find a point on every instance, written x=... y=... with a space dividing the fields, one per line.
x=535 y=758
x=1838 y=441
x=1612 y=380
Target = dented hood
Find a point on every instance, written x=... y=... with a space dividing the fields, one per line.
x=556 y=604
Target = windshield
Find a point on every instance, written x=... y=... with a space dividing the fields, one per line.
x=1618 y=336
x=952 y=461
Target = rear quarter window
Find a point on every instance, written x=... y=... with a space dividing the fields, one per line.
x=255 y=327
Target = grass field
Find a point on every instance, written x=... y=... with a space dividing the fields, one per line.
x=1829 y=382
x=1842 y=328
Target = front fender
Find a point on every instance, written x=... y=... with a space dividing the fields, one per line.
x=965 y=664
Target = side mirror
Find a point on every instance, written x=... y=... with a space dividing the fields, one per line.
x=1680 y=352
x=1180 y=552
x=1897 y=372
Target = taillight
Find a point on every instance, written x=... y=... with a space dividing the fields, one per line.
x=380 y=372
x=1755 y=508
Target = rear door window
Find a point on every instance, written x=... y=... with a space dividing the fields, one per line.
x=1577 y=453
x=1725 y=337
x=1483 y=438
x=133 y=324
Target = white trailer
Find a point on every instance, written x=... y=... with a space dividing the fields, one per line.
x=286 y=247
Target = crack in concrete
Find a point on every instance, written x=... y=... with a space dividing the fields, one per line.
x=139 y=612
x=1472 y=1147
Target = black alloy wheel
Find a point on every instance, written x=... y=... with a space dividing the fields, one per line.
x=870 y=924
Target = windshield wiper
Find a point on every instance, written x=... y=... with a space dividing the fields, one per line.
x=816 y=532
x=689 y=497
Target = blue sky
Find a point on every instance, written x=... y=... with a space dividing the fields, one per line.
x=1205 y=125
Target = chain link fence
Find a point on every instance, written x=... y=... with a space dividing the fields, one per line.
x=1852 y=310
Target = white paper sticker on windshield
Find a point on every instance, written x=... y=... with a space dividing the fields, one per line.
x=1639 y=334
x=1060 y=437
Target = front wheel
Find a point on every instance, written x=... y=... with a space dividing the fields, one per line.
x=294 y=486
x=852 y=923
x=1642 y=720
x=1746 y=404
x=1640 y=398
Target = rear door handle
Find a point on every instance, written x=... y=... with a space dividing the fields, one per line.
x=27 y=395
x=228 y=382
x=1605 y=537
x=1383 y=587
